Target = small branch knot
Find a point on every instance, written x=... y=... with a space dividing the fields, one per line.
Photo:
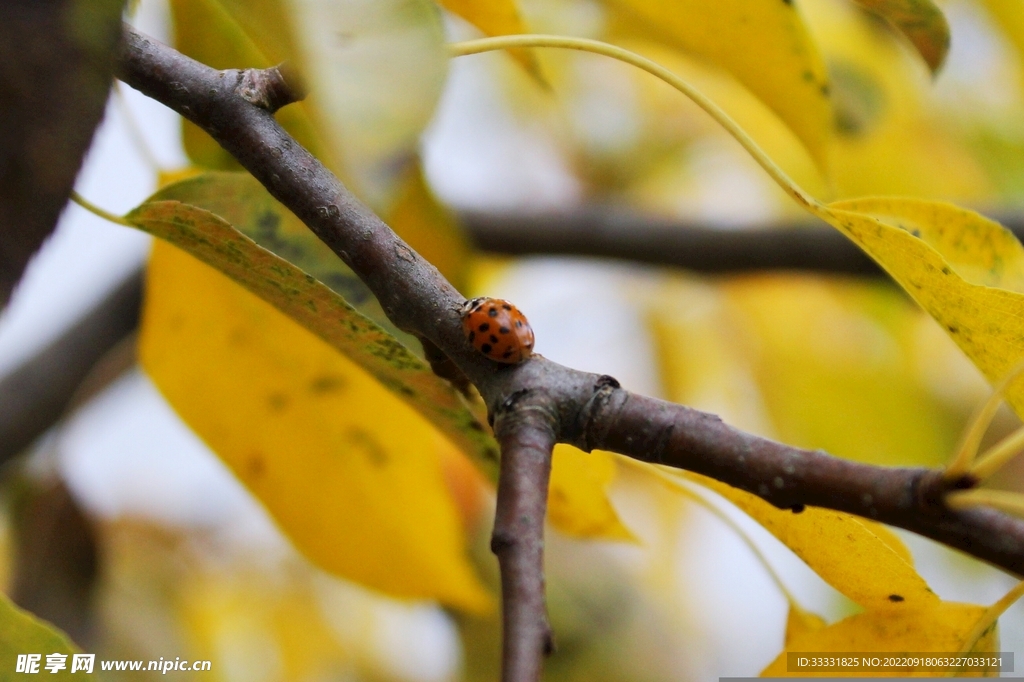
x=271 y=88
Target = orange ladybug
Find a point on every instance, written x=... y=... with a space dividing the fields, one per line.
x=497 y=329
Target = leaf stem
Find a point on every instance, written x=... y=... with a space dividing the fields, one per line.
x=998 y=455
x=1004 y=500
x=963 y=461
x=97 y=211
x=597 y=47
x=989 y=618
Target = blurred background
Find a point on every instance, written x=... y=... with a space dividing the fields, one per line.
x=121 y=527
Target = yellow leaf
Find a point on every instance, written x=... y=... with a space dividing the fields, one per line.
x=800 y=623
x=578 y=502
x=310 y=303
x=351 y=473
x=1011 y=20
x=864 y=561
x=836 y=367
x=763 y=43
x=938 y=627
x=497 y=18
x=888 y=139
x=963 y=269
x=22 y=633
x=921 y=22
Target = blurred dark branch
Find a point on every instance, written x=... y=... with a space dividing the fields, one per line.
x=36 y=395
x=583 y=409
x=56 y=67
x=526 y=433
x=806 y=245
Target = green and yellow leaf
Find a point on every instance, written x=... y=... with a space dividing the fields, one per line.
x=312 y=305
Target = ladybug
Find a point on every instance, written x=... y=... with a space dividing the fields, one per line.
x=497 y=329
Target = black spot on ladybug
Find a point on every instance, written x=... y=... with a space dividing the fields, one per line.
x=895 y=598
x=797 y=508
x=486 y=348
x=507 y=353
x=493 y=312
x=484 y=327
x=472 y=335
x=503 y=330
x=494 y=339
x=506 y=306
x=518 y=324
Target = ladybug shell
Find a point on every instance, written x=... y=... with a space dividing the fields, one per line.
x=497 y=329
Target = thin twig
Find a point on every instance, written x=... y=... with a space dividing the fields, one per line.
x=527 y=436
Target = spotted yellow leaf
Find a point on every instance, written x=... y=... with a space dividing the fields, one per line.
x=966 y=271
x=351 y=473
x=863 y=560
x=939 y=627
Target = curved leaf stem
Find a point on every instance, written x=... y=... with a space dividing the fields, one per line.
x=998 y=455
x=97 y=211
x=989 y=618
x=1004 y=500
x=963 y=461
x=657 y=70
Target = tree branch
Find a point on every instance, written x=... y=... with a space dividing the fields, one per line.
x=613 y=233
x=606 y=232
x=525 y=429
x=36 y=394
x=563 y=405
